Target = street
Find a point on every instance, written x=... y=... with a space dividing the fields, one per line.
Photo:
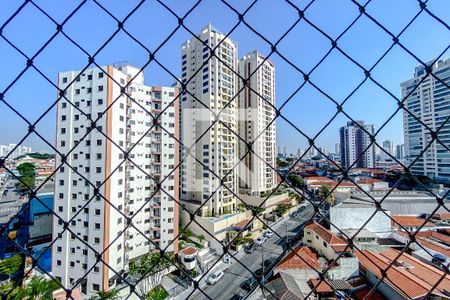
x=236 y=274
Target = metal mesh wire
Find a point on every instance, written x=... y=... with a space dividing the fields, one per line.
x=304 y=77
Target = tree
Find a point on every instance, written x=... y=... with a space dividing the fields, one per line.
x=27 y=176
x=324 y=190
x=149 y=270
x=201 y=238
x=11 y=265
x=282 y=163
x=296 y=180
x=186 y=233
x=11 y=290
x=41 y=288
x=281 y=209
x=112 y=294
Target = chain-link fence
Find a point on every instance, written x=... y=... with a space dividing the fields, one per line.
x=133 y=223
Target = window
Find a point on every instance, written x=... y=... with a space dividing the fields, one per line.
x=100 y=75
x=99 y=142
x=63 y=117
x=100 y=88
x=63 y=130
x=64 y=80
x=97 y=212
x=99 y=101
x=95 y=287
x=97 y=226
x=89 y=77
x=98 y=170
x=59 y=249
x=89 y=90
x=77 y=91
x=96 y=240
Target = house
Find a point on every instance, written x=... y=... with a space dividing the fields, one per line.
x=411 y=223
x=406 y=277
x=442 y=218
x=325 y=242
x=313 y=179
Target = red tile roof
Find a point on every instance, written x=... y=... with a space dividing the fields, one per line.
x=189 y=251
x=363 y=294
x=317 y=178
x=301 y=258
x=409 y=221
x=372 y=180
x=326 y=234
x=442 y=216
x=409 y=276
x=320 y=286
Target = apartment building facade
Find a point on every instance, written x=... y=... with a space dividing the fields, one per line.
x=356 y=148
x=256 y=124
x=427 y=100
x=123 y=191
x=209 y=148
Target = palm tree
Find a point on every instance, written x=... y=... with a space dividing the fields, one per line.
x=201 y=238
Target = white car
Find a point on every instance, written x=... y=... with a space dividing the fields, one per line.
x=213 y=278
x=269 y=233
x=260 y=240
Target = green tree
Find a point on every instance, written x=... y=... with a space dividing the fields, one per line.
x=149 y=270
x=27 y=176
x=281 y=209
x=324 y=191
x=281 y=163
x=11 y=290
x=11 y=265
x=41 y=288
x=112 y=294
x=296 y=180
x=201 y=238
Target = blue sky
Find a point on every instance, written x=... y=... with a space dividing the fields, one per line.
x=304 y=46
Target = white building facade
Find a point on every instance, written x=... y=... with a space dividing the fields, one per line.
x=256 y=124
x=209 y=148
x=127 y=188
x=13 y=151
x=429 y=102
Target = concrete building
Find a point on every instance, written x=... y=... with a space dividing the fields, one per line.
x=388 y=146
x=212 y=147
x=256 y=115
x=13 y=151
x=337 y=149
x=356 y=148
x=134 y=126
x=430 y=104
x=399 y=152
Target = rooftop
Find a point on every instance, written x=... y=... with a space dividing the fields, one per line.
x=326 y=234
x=301 y=258
x=409 y=276
x=410 y=221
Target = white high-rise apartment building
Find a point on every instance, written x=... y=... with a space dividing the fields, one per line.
x=100 y=226
x=388 y=146
x=211 y=89
x=356 y=150
x=19 y=151
x=430 y=103
x=256 y=115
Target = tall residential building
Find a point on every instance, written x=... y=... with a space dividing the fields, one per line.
x=7 y=150
x=256 y=113
x=130 y=186
x=356 y=150
x=210 y=149
x=399 y=151
x=388 y=146
x=429 y=103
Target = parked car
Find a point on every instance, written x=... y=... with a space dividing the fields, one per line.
x=268 y=233
x=249 y=248
x=249 y=284
x=213 y=278
x=260 y=240
x=269 y=262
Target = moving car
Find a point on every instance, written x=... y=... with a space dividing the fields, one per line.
x=213 y=278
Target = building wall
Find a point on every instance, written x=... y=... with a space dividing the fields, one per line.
x=127 y=187
x=356 y=150
x=430 y=104
x=256 y=115
x=210 y=90
x=315 y=241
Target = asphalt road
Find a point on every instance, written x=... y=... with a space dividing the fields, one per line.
x=236 y=274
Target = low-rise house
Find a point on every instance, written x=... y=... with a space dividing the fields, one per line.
x=405 y=277
x=284 y=287
x=313 y=179
x=325 y=242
